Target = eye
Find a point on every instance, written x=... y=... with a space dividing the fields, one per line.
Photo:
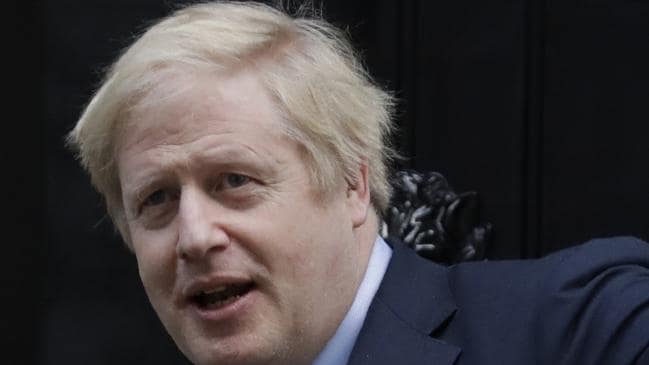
x=232 y=181
x=157 y=203
x=156 y=207
x=158 y=197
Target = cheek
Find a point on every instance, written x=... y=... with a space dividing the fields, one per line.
x=287 y=246
x=314 y=248
x=156 y=260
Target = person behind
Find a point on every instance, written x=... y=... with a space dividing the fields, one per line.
x=243 y=156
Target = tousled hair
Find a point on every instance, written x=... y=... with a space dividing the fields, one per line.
x=328 y=101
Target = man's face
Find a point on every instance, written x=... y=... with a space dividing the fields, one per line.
x=241 y=258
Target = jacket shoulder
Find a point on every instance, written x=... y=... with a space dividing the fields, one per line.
x=585 y=304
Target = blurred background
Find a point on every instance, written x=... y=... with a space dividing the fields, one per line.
x=542 y=107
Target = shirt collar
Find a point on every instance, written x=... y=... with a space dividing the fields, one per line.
x=340 y=346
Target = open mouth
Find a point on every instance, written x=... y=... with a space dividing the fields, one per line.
x=221 y=296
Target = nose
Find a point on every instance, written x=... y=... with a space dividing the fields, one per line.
x=200 y=229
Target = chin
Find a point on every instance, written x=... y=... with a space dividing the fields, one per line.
x=232 y=352
x=248 y=343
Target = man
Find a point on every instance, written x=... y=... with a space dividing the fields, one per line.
x=242 y=155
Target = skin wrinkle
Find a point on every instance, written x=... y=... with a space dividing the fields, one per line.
x=170 y=155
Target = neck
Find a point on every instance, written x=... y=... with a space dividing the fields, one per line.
x=365 y=236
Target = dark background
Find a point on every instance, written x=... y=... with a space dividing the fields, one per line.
x=542 y=107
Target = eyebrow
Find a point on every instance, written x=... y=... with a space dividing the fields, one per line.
x=240 y=155
x=141 y=187
x=219 y=157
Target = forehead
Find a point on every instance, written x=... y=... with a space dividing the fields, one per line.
x=183 y=104
x=195 y=121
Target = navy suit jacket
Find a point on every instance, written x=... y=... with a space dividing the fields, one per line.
x=583 y=305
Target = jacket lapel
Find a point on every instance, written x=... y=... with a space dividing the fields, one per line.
x=412 y=302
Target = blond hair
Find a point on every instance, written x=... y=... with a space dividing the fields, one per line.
x=330 y=104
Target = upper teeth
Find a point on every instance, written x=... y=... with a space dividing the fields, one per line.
x=216 y=290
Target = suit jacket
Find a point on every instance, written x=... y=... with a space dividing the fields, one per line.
x=584 y=305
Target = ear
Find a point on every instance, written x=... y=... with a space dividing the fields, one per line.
x=358 y=195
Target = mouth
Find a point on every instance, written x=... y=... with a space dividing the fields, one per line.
x=221 y=296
